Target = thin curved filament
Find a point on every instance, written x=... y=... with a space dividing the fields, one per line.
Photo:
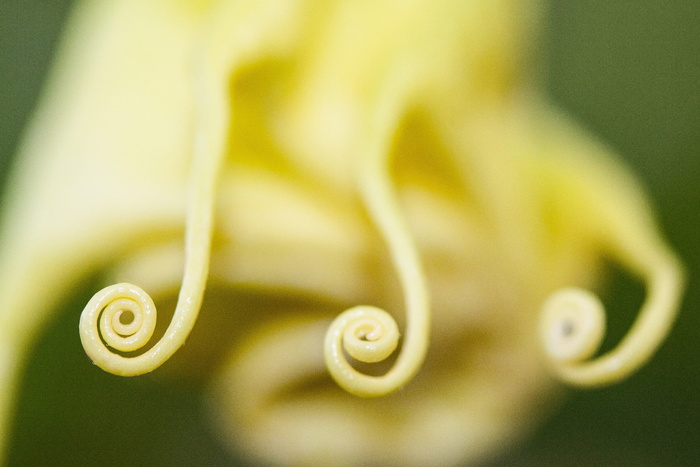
x=367 y=333
x=122 y=315
x=260 y=28
x=573 y=323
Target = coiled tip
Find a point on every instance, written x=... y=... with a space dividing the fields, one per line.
x=572 y=325
x=370 y=334
x=367 y=334
x=121 y=317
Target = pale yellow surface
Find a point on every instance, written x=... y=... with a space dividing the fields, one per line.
x=388 y=158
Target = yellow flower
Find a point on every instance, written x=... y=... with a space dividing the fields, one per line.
x=315 y=157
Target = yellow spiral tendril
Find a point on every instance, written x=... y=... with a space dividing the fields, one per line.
x=367 y=333
x=261 y=28
x=101 y=324
x=573 y=325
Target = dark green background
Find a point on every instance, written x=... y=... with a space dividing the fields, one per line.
x=628 y=70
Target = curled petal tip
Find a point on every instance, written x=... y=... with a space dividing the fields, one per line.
x=370 y=334
x=572 y=325
x=367 y=334
x=121 y=317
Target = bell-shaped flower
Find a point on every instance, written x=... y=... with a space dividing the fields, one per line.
x=396 y=227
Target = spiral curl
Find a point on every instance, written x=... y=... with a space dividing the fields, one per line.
x=573 y=324
x=223 y=50
x=369 y=334
x=211 y=122
x=110 y=304
x=366 y=333
x=101 y=325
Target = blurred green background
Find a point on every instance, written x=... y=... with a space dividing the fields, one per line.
x=627 y=70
